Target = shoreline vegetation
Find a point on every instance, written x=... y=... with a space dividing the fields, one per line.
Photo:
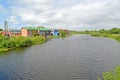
x=111 y=75
x=7 y=44
x=113 y=33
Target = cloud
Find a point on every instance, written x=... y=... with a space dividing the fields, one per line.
x=34 y=1
x=13 y=20
x=1 y=8
x=71 y=14
x=30 y=3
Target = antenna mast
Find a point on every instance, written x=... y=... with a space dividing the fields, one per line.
x=6 y=29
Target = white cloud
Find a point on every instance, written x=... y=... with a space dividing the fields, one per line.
x=71 y=14
x=34 y=1
x=13 y=20
x=1 y=8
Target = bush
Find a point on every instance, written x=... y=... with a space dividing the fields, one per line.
x=38 y=39
x=1 y=29
x=115 y=31
x=95 y=34
x=22 y=41
x=63 y=33
x=26 y=42
x=111 y=75
x=15 y=42
x=8 y=44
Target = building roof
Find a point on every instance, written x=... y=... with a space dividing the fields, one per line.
x=43 y=29
x=39 y=28
x=6 y=32
x=30 y=28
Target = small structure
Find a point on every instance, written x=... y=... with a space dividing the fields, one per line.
x=54 y=32
x=4 y=33
x=11 y=33
x=16 y=33
x=28 y=31
x=32 y=31
x=43 y=31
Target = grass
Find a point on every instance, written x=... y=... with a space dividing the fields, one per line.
x=111 y=75
x=16 y=42
x=113 y=36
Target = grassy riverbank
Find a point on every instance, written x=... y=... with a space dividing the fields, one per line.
x=113 y=33
x=113 y=36
x=111 y=75
x=7 y=44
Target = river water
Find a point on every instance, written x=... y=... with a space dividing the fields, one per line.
x=79 y=57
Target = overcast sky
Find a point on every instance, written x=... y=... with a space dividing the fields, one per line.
x=68 y=14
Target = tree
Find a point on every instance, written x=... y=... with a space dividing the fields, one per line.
x=86 y=31
x=115 y=31
x=101 y=30
x=62 y=33
x=1 y=29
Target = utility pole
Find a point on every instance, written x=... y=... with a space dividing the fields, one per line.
x=6 y=29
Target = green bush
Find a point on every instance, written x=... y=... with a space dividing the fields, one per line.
x=1 y=29
x=26 y=42
x=16 y=42
x=114 y=31
x=8 y=44
x=38 y=39
x=95 y=34
x=111 y=75
x=63 y=33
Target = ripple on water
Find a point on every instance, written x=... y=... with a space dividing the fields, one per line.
x=78 y=57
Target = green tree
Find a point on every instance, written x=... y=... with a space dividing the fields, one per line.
x=102 y=31
x=86 y=32
x=1 y=29
x=115 y=31
x=63 y=33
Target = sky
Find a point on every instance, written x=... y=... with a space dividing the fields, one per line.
x=67 y=14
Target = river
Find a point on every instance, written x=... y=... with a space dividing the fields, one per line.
x=79 y=57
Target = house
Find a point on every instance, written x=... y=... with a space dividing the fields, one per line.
x=15 y=32
x=43 y=31
x=32 y=31
x=7 y=33
x=28 y=31
x=10 y=33
x=54 y=32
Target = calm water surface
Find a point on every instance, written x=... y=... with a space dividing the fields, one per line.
x=79 y=57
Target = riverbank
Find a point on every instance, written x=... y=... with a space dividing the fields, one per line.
x=7 y=44
x=111 y=75
x=112 y=36
x=113 y=33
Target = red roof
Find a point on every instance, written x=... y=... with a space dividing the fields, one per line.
x=6 y=32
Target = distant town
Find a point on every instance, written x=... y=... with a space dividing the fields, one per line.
x=31 y=31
